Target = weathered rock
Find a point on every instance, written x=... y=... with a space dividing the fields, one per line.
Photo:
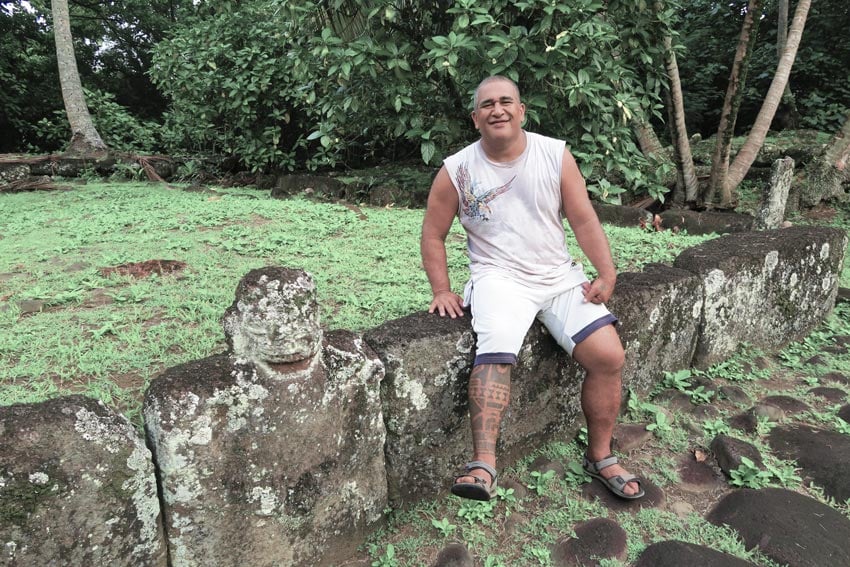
x=659 y=311
x=77 y=487
x=833 y=395
x=844 y=413
x=734 y=394
x=775 y=194
x=599 y=538
x=698 y=476
x=265 y=462
x=454 y=555
x=766 y=288
x=822 y=455
x=294 y=184
x=428 y=359
x=695 y=222
x=728 y=452
x=787 y=527
x=10 y=172
x=681 y=554
x=788 y=404
x=630 y=436
x=620 y=215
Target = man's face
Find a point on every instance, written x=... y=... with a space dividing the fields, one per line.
x=499 y=114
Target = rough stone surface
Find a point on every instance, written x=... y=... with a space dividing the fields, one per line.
x=599 y=538
x=775 y=194
x=270 y=463
x=454 y=555
x=630 y=436
x=728 y=452
x=734 y=394
x=787 y=527
x=833 y=395
x=705 y=222
x=844 y=413
x=428 y=359
x=659 y=311
x=822 y=455
x=681 y=554
x=766 y=288
x=788 y=404
x=77 y=485
x=698 y=476
x=620 y=215
x=294 y=184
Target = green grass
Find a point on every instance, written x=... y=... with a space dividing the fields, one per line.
x=108 y=336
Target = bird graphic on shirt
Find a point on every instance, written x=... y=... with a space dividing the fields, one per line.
x=473 y=201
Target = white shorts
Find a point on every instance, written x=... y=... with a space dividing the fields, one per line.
x=503 y=310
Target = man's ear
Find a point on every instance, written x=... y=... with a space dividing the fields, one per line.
x=474 y=119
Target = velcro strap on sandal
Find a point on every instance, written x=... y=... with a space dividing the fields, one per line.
x=605 y=463
x=623 y=480
x=471 y=466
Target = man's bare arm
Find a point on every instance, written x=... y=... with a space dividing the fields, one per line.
x=441 y=211
x=588 y=230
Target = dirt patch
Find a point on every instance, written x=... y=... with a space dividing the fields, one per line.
x=144 y=269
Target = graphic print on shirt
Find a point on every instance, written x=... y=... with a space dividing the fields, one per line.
x=473 y=199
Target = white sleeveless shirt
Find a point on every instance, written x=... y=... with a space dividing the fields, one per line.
x=512 y=213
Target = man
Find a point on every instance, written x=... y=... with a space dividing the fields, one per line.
x=509 y=190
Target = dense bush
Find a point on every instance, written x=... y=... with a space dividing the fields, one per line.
x=328 y=82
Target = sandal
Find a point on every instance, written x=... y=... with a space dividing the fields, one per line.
x=478 y=489
x=615 y=484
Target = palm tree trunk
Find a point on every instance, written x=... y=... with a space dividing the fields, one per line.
x=650 y=145
x=84 y=137
x=788 y=101
x=684 y=158
x=732 y=101
x=748 y=151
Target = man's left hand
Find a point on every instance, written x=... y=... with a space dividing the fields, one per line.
x=598 y=291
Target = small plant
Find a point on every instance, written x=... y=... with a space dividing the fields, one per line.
x=475 y=512
x=785 y=474
x=661 y=425
x=540 y=481
x=576 y=475
x=679 y=380
x=443 y=526
x=715 y=427
x=748 y=475
x=541 y=554
x=581 y=437
x=493 y=561
x=811 y=381
x=763 y=425
x=841 y=426
x=507 y=496
x=700 y=395
x=387 y=559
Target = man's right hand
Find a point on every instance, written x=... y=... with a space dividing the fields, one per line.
x=447 y=303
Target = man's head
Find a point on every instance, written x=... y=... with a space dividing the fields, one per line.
x=498 y=112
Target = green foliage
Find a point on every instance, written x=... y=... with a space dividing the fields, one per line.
x=540 y=481
x=443 y=526
x=387 y=559
x=117 y=127
x=679 y=380
x=331 y=82
x=748 y=475
x=475 y=511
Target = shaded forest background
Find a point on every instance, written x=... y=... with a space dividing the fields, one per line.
x=306 y=85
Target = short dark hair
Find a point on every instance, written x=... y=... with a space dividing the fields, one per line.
x=487 y=81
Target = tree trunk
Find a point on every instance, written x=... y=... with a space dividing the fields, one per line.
x=747 y=154
x=678 y=129
x=84 y=137
x=824 y=176
x=734 y=92
x=650 y=145
x=788 y=102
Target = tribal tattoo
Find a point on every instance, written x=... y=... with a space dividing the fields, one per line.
x=489 y=396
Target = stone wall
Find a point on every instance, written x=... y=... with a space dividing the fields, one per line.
x=286 y=449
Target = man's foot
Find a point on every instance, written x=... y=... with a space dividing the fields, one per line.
x=614 y=477
x=480 y=486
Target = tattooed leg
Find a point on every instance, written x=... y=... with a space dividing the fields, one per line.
x=489 y=395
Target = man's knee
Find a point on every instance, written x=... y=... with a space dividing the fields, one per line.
x=601 y=353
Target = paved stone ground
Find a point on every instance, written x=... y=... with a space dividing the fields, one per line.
x=773 y=422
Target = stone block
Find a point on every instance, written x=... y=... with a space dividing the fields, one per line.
x=659 y=311
x=77 y=487
x=765 y=288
